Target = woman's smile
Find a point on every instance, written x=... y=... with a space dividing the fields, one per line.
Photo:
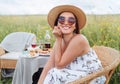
x=65 y=27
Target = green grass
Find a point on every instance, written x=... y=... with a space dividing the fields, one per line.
x=100 y=30
x=6 y=80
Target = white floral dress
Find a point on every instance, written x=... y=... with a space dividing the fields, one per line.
x=80 y=67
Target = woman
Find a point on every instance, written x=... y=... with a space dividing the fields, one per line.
x=72 y=57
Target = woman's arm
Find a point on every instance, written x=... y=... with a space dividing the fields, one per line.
x=58 y=44
x=48 y=66
x=51 y=62
x=58 y=50
x=77 y=47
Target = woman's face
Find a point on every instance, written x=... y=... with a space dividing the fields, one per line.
x=66 y=22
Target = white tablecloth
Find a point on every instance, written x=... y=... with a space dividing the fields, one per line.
x=26 y=67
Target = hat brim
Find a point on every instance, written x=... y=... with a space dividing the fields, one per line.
x=53 y=14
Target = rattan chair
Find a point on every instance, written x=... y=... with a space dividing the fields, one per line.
x=110 y=59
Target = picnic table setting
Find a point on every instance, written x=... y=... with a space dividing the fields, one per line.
x=40 y=48
x=31 y=52
x=32 y=58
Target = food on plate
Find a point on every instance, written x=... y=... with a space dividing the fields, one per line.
x=32 y=53
x=37 y=51
x=50 y=49
x=44 y=52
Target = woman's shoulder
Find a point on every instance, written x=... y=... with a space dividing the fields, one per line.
x=80 y=37
x=81 y=40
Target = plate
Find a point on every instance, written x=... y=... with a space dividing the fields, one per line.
x=46 y=55
x=29 y=56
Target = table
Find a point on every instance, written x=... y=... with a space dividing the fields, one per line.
x=26 y=67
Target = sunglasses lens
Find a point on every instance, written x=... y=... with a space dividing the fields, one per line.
x=61 y=20
x=71 y=20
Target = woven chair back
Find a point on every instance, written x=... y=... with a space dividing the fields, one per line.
x=109 y=57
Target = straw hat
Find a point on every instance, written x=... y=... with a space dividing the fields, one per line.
x=53 y=14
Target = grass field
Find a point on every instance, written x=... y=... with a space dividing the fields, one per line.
x=100 y=30
x=6 y=81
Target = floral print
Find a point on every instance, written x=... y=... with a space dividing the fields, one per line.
x=78 y=68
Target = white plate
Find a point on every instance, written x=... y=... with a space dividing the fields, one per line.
x=47 y=55
x=29 y=56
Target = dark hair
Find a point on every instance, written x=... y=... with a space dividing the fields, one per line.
x=76 y=25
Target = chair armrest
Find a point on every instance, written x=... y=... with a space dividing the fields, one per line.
x=2 y=51
x=99 y=73
x=89 y=77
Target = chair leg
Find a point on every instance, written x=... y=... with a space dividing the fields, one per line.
x=109 y=76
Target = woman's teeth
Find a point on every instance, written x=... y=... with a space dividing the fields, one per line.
x=65 y=27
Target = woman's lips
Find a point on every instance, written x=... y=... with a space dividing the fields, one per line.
x=65 y=27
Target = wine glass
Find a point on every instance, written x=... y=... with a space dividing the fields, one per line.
x=33 y=44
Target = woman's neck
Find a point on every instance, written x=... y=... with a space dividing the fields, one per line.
x=67 y=38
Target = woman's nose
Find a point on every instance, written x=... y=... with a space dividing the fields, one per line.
x=66 y=22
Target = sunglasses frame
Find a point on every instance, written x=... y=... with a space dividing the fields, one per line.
x=70 y=20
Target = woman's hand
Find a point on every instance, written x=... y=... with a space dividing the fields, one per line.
x=57 y=32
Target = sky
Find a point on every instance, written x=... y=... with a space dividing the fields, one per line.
x=28 y=7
